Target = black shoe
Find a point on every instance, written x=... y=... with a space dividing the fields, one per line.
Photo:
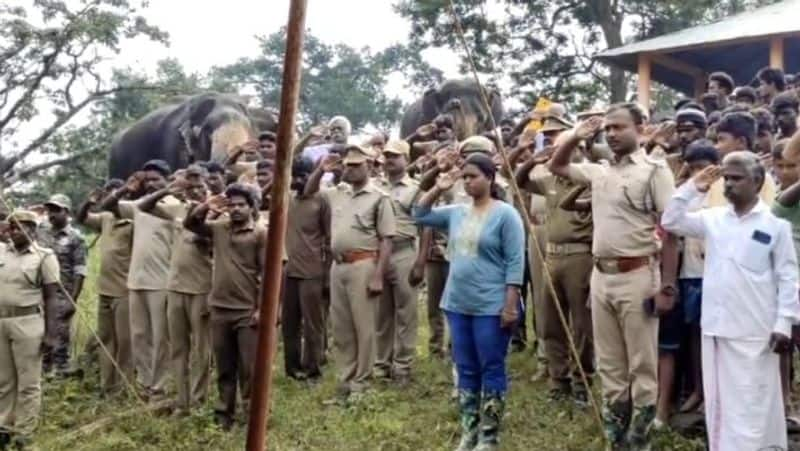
x=5 y=439
x=581 y=399
x=224 y=422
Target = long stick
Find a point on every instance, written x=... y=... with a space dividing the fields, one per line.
x=273 y=270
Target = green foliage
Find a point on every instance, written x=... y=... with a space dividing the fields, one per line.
x=51 y=56
x=546 y=48
x=337 y=79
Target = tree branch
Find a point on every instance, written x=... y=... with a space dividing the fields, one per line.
x=27 y=172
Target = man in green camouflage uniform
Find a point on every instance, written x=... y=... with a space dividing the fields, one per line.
x=70 y=249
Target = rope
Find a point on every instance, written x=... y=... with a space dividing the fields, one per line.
x=527 y=221
x=81 y=314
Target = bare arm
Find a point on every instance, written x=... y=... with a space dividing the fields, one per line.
x=790 y=196
x=559 y=163
x=148 y=202
x=195 y=220
x=792 y=150
x=111 y=202
x=428 y=179
x=312 y=184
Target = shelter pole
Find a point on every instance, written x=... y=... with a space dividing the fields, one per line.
x=776 y=53
x=645 y=64
x=699 y=86
x=271 y=280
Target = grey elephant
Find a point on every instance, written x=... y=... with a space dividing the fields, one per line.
x=459 y=97
x=197 y=128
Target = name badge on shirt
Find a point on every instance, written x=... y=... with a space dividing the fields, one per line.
x=761 y=237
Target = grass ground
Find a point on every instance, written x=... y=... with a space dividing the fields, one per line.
x=419 y=417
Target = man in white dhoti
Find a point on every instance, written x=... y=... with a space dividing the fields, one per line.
x=750 y=302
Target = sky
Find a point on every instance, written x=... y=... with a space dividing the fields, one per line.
x=207 y=33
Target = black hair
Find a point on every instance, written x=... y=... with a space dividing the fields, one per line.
x=772 y=76
x=302 y=166
x=114 y=184
x=487 y=167
x=159 y=166
x=264 y=164
x=240 y=189
x=740 y=125
x=765 y=121
x=787 y=99
x=723 y=79
x=714 y=117
x=746 y=91
x=690 y=104
x=213 y=167
x=702 y=149
x=777 y=149
x=636 y=112
x=680 y=104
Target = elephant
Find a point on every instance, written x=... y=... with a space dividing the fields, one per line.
x=196 y=128
x=462 y=99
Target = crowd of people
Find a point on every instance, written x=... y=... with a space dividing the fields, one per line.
x=667 y=241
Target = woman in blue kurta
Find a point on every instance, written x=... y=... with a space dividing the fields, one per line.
x=482 y=296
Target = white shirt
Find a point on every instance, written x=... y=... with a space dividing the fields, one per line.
x=751 y=277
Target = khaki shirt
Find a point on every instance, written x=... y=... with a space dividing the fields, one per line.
x=152 y=246
x=190 y=262
x=562 y=226
x=23 y=274
x=627 y=198
x=116 y=242
x=307 y=234
x=359 y=220
x=237 y=264
x=404 y=194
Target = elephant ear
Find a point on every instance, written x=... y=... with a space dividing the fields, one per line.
x=200 y=108
x=431 y=104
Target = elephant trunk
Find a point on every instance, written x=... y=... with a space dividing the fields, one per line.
x=229 y=136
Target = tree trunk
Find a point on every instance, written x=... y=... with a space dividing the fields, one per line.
x=610 y=22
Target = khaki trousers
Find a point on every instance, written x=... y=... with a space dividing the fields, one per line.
x=113 y=328
x=149 y=337
x=570 y=275
x=303 y=325
x=625 y=337
x=235 y=341
x=21 y=373
x=540 y=289
x=189 y=339
x=397 y=316
x=353 y=321
x=436 y=277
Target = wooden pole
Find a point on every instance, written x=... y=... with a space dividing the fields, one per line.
x=699 y=87
x=273 y=270
x=644 y=81
x=776 y=53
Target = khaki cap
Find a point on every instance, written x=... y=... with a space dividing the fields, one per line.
x=60 y=201
x=397 y=146
x=355 y=154
x=23 y=216
x=555 y=124
x=476 y=144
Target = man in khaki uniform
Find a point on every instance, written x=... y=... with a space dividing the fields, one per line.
x=362 y=228
x=569 y=260
x=147 y=278
x=628 y=196
x=397 y=311
x=28 y=280
x=188 y=285
x=113 y=319
x=304 y=307
x=238 y=253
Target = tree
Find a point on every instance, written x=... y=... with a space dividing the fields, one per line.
x=51 y=58
x=546 y=48
x=337 y=79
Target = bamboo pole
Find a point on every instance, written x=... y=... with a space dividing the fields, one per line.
x=776 y=53
x=273 y=270
x=644 y=66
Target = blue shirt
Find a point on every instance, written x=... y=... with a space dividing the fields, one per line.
x=486 y=253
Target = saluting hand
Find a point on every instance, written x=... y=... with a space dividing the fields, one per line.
x=705 y=178
x=426 y=130
x=330 y=162
x=588 y=128
x=779 y=343
x=446 y=180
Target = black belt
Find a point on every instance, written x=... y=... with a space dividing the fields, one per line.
x=14 y=311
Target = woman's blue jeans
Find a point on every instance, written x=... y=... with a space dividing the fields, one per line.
x=480 y=347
